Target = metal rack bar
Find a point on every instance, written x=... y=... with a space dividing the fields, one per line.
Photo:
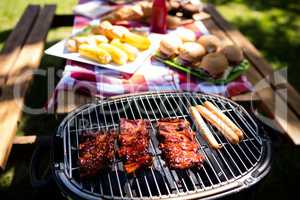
x=198 y=140
x=154 y=177
x=238 y=145
x=182 y=114
x=244 y=132
x=128 y=184
x=219 y=140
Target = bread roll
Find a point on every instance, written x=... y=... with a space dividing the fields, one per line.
x=191 y=7
x=170 y=44
x=214 y=63
x=173 y=5
x=191 y=51
x=173 y=22
x=186 y=35
x=233 y=53
x=210 y=42
x=146 y=8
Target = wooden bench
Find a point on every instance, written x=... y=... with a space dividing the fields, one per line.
x=21 y=55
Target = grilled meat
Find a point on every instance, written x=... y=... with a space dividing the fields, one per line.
x=178 y=145
x=134 y=142
x=96 y=152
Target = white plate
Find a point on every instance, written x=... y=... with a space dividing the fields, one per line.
x=60 y=50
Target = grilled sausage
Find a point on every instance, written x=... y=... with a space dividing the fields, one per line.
x=202 y=127
x=224 y=118
x=219 y=124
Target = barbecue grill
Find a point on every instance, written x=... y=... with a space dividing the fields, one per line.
x=225 y=171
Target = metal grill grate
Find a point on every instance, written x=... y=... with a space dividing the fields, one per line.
x=226 y=170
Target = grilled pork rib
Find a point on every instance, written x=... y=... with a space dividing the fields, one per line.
x=96 y=152
x=178 y=145
x=134 y=144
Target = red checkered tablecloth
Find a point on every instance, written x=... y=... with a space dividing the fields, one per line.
x=151 y=76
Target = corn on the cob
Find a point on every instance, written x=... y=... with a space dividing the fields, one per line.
x=71 y=45
x=80 y=40
x=95 y=53
x=131 y=51
x=99 y=39
x=136 y=40
x=117 y=55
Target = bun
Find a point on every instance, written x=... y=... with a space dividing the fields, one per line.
x=214 y=63
x=146 y=8
x=170 y=44
x=233 y=53
x=191 y=7
x=173 y=21
x=210 y=42
x=173 y=4
x=191 y=51
x=186 y=35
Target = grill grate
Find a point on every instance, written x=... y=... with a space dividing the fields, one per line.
x=224 y=170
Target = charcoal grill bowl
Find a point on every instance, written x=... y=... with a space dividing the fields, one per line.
x=70 y=188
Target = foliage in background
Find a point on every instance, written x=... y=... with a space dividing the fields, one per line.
x=273 y=26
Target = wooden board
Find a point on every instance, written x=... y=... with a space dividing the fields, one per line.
x=263 y=67
x=19 y=76
x=31 y=139
x=272 y=99
x=16 y=40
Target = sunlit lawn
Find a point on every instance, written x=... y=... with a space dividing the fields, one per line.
x=274 y=28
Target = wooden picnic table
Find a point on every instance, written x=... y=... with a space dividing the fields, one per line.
x=24 y=48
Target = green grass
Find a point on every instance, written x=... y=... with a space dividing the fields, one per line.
x=272 y=26
x=11 y=11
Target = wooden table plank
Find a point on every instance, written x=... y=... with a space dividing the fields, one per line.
x=11 y=105
x=31 y=139
x=272 y=100
x=293 y=97
x=16 y=40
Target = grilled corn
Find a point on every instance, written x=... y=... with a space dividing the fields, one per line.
x=99 y=39
x=80 y=40
x=95 y=53
x=71 y=45
x=117 y=55
x=131 y=51
x=138 y=41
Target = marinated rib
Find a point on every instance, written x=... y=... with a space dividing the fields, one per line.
x=178 y=145
x=96 y=152
x=134 y=144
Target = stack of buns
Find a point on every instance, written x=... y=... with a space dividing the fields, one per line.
x=206 y=52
